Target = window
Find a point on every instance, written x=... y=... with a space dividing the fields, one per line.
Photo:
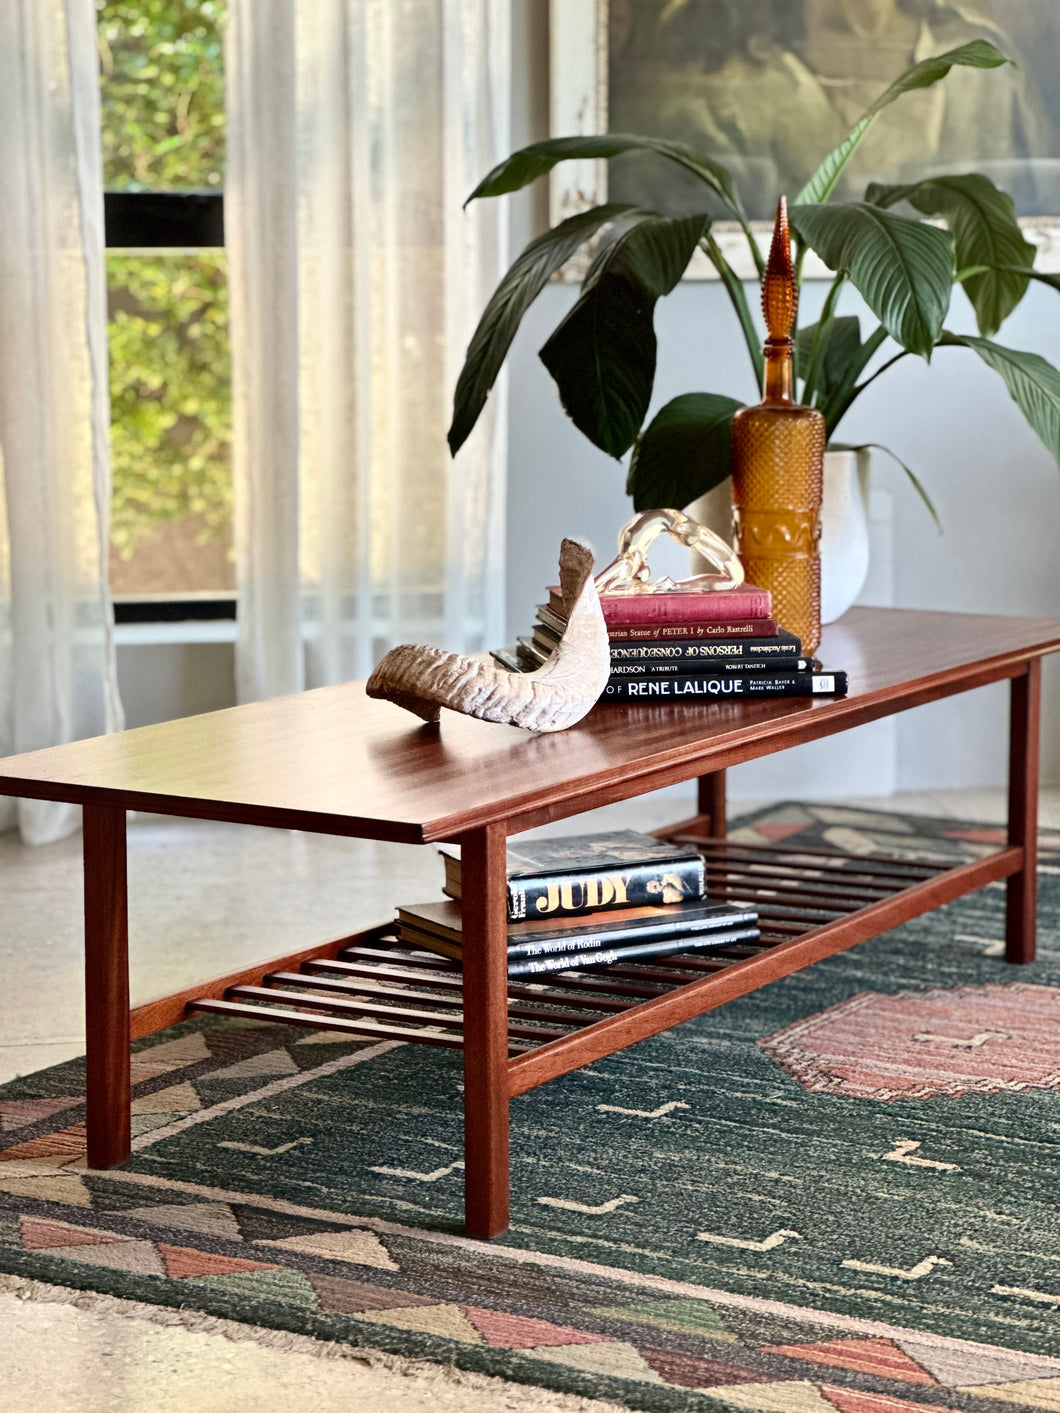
x=170 y=385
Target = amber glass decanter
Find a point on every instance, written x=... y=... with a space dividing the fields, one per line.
x=777 y=466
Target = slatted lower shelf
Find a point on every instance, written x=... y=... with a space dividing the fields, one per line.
x=384 y=989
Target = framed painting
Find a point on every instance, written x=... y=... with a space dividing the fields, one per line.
x=769 y=87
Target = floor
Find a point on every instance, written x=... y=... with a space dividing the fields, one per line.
x=203 y=899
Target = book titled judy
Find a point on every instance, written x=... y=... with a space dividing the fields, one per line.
x=724 y=606
x=582 y=873
x=438 y=926
x=756 y=684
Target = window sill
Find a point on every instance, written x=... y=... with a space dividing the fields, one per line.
x=188 y=630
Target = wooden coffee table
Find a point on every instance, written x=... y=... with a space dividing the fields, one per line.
x=334 y=762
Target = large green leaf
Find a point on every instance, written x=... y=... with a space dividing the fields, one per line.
x=683 y=452
x=834 y=350
x=978 y=54
x=985 y=232
x=529 y=163
x=602 y=355
x=1033 y=384
x=512 y=298
x=903 y=269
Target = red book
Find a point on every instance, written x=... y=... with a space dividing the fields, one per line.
x=689 y=632
x=723 y=606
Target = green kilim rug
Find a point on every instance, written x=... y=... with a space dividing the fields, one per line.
x=839 y=1193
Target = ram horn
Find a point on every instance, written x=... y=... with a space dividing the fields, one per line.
x=423 y=680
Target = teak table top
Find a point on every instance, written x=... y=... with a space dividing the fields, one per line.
x=334 y=761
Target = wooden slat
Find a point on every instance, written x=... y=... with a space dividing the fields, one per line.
x=771 y=870
x=167 y=1010
x=529 y=992
x=566 y=1016
x=280 y=1016
x=881 y=863
x=615 y=1033
x=338 y=1005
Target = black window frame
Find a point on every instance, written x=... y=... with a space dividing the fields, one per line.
x=174 y=220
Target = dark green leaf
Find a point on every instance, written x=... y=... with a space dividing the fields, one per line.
x=985 y=233
x=903 y=269
x=602 y=355
x=1033 y=384
x=529 y=163
x=512 y=298
x=684 y=452
x=979 y=54
x=1052 y=280
x=837 y=349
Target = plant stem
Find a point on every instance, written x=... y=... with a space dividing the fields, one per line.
x=735 y=290
x=857 y=391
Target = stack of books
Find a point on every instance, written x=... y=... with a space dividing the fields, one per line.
x=587 y=901
x=682 y=646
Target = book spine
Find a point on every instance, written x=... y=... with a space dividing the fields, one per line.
x=746 y=602
x=784 y=646
x=662 y=632
x=548 y=895
x=589 y=939
x=661 y=667
x=568 y=961
x=795 y=684
x=692 y=608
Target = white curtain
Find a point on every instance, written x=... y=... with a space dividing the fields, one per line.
x=357 y=128
x=57 y=678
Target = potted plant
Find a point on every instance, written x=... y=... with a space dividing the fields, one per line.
x=602 y=353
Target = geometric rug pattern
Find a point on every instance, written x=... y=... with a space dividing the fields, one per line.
x=837 y=1194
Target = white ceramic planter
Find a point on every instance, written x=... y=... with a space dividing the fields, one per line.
x=844 y=528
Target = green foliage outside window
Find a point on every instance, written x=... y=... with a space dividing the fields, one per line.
x=163 y=129
x=170 y=394
x=162 y=64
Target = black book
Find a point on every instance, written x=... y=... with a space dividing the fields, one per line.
x=439 y=927
x=737 y=687
x=571 y=875
x=634 y=951
x=715 y=666
x=548 y=630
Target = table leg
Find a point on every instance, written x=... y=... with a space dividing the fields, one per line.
x=1024 y=732
x=483 y=885
x=106 y=986
x=712 y=801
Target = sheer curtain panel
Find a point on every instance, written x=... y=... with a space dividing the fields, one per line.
x=357 y=128
x=57 y=677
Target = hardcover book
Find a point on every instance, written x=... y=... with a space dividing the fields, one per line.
x=582 y=873
x=751 y=684
x=723 y=606
x=636 y=951
x=783 y=645
x=663 y=632
x=425 y=924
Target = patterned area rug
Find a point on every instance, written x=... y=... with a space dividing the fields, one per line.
x=839 y=1193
